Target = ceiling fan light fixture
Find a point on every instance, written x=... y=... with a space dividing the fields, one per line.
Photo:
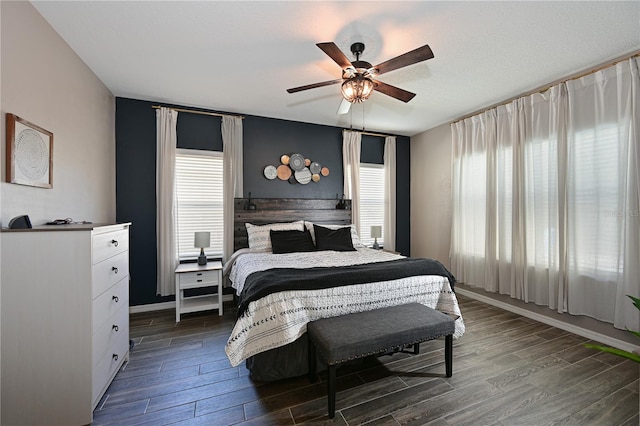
x=357 y=89
x=359 y=78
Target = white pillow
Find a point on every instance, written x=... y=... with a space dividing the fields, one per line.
x=355 y=239
x=259 y=237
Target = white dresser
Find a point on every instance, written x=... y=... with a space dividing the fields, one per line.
x=64 y=318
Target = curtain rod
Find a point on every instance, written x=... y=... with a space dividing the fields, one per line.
x=546 y=87
x=365 y=133
x=199 y=112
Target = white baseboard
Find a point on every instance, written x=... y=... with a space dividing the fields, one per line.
x=598 y=337
x=165 y=305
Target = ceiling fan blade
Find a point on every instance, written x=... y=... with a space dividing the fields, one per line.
x=417 y=55
x=314 y=85
x=344 y=107
x=393 y=91
x=335 y=53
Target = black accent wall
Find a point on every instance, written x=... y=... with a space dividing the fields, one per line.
x=264 y=141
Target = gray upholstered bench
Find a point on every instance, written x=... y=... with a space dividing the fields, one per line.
x=344 y=338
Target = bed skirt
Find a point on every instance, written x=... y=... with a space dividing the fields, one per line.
x=281 y=363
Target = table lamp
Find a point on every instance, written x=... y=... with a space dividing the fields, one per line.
x=376 y=232
x=202 y=240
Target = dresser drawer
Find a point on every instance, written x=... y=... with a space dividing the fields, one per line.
x=106 y=367
x=109 y=244
x=198 y=279
x=109 y=302
x=108 y=272
x=109 y=332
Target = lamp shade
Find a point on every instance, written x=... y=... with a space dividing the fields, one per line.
x=357 y=89
x=202 y=239
x=376 y=231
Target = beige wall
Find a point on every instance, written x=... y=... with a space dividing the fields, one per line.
x=431 y=194
x=43 y=81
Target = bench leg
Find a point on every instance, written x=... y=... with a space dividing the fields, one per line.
x=311 y=357
x=448 y=354
x=331 y=391
x=416 y=348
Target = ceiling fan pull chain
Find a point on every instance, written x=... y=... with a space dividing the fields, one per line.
x=351 y=118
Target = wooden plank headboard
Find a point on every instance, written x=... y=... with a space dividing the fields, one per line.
x=273 y=210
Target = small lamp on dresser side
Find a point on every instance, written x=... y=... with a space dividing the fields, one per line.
x=202 y=240
x=376 y=232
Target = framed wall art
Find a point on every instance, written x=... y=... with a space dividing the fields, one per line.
x=29 y=153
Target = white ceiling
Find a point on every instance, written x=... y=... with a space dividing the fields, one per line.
x=241 y=56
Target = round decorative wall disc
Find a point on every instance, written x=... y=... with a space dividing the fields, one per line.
x=292 y=180
x=303 y=176
x=315 y=177
x=307 y=162
x=284 y=159
x=324 y=171
x=296 y=162
x=315 y=167
x=284 y=172
x=270 y=172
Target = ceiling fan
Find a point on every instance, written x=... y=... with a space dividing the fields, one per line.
x=358 y=77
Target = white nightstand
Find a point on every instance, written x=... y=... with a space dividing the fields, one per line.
x=192 y=275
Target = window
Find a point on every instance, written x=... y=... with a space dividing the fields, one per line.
x=198 y=201
x=371 y=201
x=541 y=202
x=504 y=199
x=471 y=205
x=594 y=197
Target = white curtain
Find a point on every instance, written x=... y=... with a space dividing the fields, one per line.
x=542 y=178
x=389 y=228
x=232 y=176
x=351 y=169
x=603 y=230
x=167 y=258
x=545 y=197
x=469 y=177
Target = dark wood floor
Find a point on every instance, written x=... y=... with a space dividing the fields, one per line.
x=508 y=370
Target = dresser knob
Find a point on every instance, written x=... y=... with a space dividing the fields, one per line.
x=115 y=327
x=115 y=299
x=114 y=269
x=114 y=242
x=115 y=357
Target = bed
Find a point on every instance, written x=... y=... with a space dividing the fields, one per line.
x=280 y=290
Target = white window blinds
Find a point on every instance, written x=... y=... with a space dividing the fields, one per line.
x=198 y=201
x=371 y=201
x=595 y=203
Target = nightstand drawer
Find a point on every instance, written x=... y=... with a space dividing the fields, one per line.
x=198 y=279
